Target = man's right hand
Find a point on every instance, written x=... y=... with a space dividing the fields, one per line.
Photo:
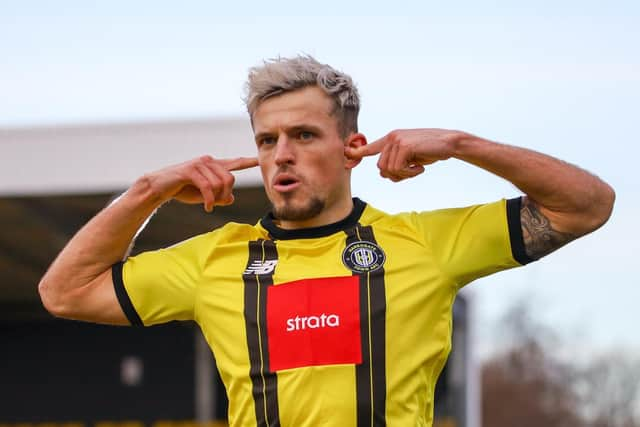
x=202 y=180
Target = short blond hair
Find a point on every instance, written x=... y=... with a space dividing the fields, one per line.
x=279 y=75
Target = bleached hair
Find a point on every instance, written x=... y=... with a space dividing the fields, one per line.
x=279 y=75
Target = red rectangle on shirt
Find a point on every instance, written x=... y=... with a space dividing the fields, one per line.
x=314 y=322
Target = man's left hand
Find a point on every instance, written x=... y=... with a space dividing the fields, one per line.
x=405 y=152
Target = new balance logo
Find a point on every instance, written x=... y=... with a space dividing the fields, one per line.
x=261 y=267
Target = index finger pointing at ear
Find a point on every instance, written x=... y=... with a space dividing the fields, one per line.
x=366 y=150
x=240 y=163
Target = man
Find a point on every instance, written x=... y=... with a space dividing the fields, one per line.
x=328 y=311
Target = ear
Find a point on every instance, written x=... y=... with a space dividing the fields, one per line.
x=354 y=140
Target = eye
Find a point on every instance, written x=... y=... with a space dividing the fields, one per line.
x=268 y=140
x=305 y=135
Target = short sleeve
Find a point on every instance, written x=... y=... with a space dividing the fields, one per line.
x=475 y=241
x=160 y=286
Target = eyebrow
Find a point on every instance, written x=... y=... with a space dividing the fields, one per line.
x=296 y=128
x=305 y=127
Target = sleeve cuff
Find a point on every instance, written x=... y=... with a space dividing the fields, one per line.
x=515 y=231
x=123 y=297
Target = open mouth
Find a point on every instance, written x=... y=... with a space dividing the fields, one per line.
x=285 y=182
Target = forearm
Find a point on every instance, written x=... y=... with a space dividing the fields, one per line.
x=563 y=201
x=575 y=201
x=102 y=242
x=79 y=284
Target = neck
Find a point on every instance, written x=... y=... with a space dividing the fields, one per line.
x=329 y=215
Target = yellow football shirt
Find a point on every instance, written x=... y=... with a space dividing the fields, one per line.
x=347 y=324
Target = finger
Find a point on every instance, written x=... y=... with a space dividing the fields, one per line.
x=383 y=160
x=414 y=170
x=407 y=173
x=223 y=185
x=213 y=183
x=239 y=163
x=205 y=187
x=394 y=172
x=410 y=172
x=401 y=160
x=393 y=155
x=357 y=153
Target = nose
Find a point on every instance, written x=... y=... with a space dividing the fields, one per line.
x=284 y=152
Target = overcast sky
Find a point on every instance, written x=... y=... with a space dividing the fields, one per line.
x=558 y=77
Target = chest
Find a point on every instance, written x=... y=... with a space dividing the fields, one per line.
x=301 y=300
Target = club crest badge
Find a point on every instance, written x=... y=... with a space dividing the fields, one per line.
x=363 y=257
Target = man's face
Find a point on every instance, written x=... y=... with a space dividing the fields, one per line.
x=301 y=156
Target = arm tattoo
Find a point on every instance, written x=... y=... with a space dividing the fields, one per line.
x=540 y=238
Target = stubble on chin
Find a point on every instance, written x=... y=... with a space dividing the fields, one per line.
x=289 y=211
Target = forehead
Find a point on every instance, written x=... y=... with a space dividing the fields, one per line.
x=309 y=105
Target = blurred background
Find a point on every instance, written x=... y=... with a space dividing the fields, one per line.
x=94 y=94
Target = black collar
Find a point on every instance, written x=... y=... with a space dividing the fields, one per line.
x=324 y=230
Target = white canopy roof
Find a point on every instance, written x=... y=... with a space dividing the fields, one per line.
x=109 y=157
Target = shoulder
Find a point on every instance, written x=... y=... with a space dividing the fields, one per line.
x=235 y=232
x=401 y=224
x=231 y=232
x=488 y=211
x=438 y=226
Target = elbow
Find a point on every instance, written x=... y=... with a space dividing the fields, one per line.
x=47 y=296
x=51 y=299
x=607 y=200
x=601 y=208
x=589 y=213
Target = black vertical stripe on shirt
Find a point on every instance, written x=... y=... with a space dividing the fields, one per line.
x=371 y=373
x=265 y=384
x=378 y=335
x=270 y=253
